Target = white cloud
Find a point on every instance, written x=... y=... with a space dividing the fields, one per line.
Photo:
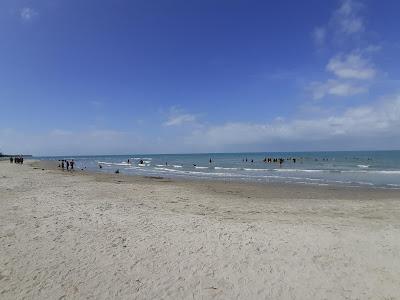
x=177 y=118
x=27 y=13
x=351 y=66
x=346 y=18
x=369 y=126
x=335 y=88
x=371 y=49
x=180 y=119
x=319 y=35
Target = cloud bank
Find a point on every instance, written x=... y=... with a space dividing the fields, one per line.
x=368 y=127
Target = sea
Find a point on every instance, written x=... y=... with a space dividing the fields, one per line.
x=380 y=169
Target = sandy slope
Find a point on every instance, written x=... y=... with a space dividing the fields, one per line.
x=113 y=237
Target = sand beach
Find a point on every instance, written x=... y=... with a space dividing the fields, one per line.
x=84 y=235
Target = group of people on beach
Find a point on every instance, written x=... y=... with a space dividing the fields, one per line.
x=66 y=164
x=279 y=160
x=17 y=160
x=272 y=160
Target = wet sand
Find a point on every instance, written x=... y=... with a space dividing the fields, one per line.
x=86 y=235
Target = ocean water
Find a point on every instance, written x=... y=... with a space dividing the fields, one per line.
x=355 y=168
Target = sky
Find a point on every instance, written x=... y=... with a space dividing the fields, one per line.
x=127 y=76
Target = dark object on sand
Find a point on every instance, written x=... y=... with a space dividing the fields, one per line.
x=117 y=171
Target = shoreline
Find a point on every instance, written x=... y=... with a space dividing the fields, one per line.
x=87 y=235
x=313 y=173
x=245 y=185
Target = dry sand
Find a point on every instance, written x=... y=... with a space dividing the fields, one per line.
x=91 y=236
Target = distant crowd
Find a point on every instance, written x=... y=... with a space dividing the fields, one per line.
x=17 y=160
x=273 y=160
x=66 y=164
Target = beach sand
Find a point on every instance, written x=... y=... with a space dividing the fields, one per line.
x=95 y=236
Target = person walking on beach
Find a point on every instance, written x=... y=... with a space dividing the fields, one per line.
x=62 y=165
x=72 y=165
x=11 y=160
x=67 y=163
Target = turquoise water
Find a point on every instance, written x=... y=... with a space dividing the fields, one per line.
x=355 y=168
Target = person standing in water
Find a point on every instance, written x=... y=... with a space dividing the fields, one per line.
x=210 y=161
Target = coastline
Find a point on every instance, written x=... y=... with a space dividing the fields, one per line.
x=331 y=191
x=348 y=169
x=83 y=234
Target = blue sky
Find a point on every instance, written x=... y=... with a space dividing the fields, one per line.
x=122 y=76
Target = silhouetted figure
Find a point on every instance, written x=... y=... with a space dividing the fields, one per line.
x=252 y=161
x=100 y=166
x=67 y=163
x=62 y=165
x=166 y=163
x=294 y=160
x=129 y=161
x=11 y=160
x=72 y=165
x=117 y=171
x=246 y=159
x=210 y=161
